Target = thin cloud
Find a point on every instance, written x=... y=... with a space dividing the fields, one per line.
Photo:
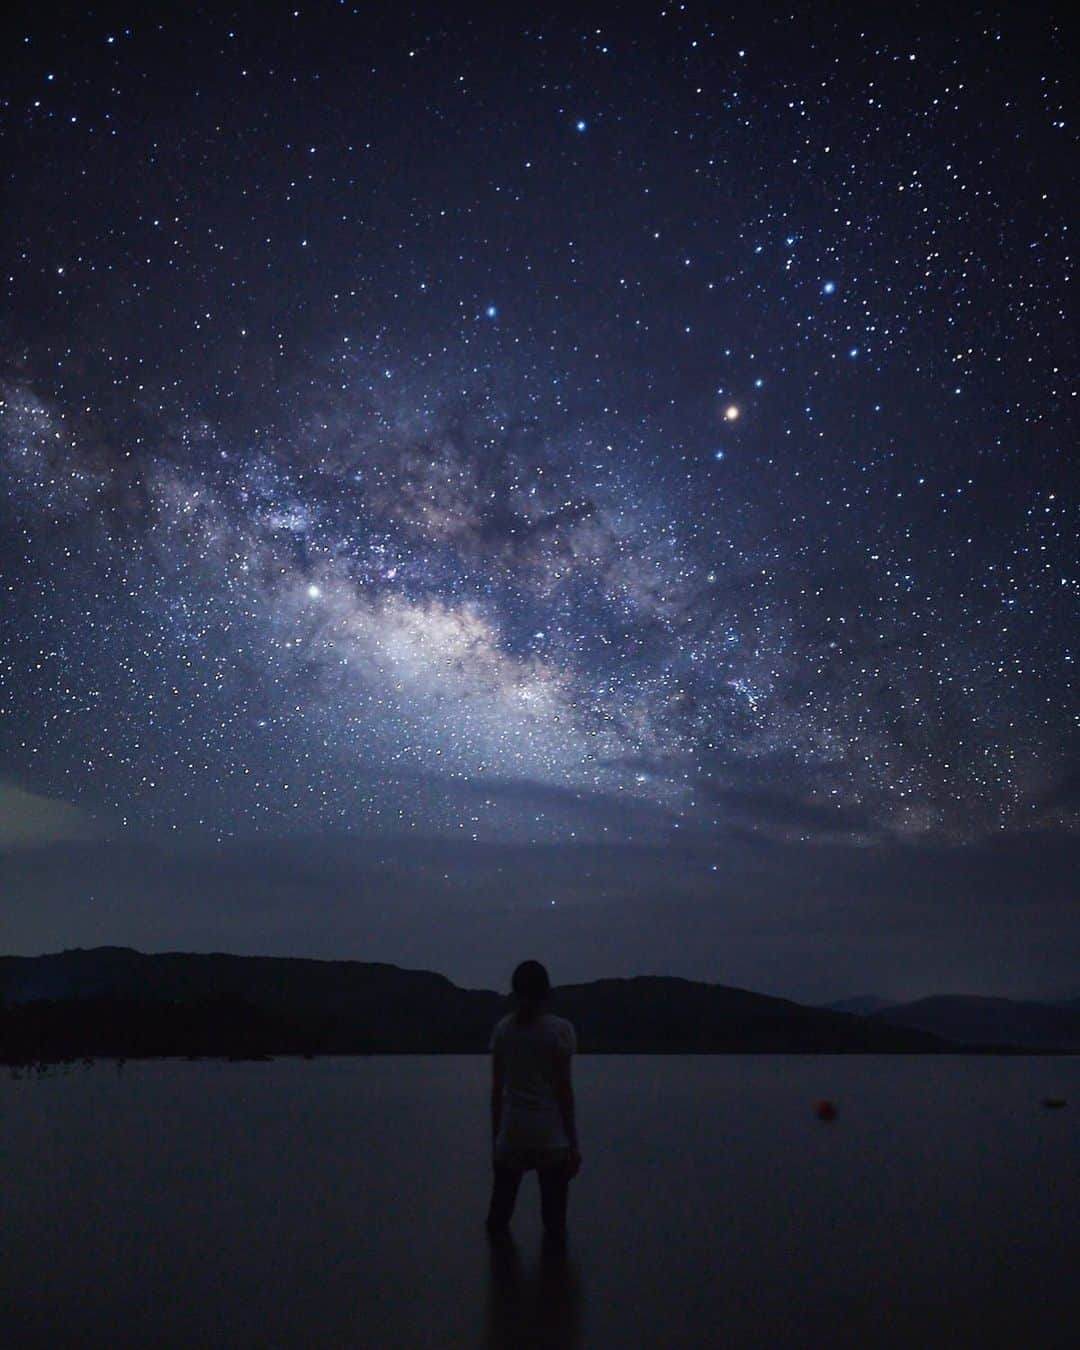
x=28 y=820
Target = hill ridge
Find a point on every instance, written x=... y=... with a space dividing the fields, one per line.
x=122 y=1002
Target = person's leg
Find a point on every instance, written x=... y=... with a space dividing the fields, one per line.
x=503 y=1197
x=554 y=1186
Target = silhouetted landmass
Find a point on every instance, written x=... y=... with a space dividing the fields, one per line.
x=989 y=1021
x=117 y=1002
x=656 y=1014
x=860 y=1003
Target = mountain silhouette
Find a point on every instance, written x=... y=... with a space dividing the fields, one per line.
x=860 y=1003
x=989 y=1021
x=115 y=1001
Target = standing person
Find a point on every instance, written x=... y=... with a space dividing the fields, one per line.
x=532 y=1104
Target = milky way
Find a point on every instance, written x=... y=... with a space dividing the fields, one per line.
x=540 y=431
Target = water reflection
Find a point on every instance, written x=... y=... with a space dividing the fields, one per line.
x=535 y=1306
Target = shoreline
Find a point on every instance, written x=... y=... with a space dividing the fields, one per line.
x=37 y=1065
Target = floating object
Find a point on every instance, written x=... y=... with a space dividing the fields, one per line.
x=825 y=1110
x=1053 y=1103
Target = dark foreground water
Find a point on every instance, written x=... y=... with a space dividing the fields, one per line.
x=340 y=1202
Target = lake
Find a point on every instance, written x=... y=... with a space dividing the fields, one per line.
x=340 y=1202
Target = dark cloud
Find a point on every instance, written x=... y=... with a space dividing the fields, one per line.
x=777 y=808
x=1063 y=794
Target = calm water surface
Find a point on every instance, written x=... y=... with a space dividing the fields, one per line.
x=340 y=1202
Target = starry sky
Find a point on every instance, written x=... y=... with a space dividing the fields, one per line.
x=595 y=484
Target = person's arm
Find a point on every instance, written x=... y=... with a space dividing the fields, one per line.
x=564 y=1095
x=496 y=1094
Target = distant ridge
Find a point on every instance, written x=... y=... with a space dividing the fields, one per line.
x=860 y=1003
x=115 y=1001
x=981 y=1021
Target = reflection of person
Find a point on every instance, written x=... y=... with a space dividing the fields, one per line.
x=539 y=1307
x=532 y=1104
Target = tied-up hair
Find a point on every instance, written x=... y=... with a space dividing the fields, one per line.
x=531 y=986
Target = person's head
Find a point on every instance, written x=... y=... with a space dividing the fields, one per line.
x=531 y=988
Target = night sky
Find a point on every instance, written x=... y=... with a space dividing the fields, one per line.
x=588 y=485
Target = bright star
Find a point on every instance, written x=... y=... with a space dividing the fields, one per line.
x=829 y=287
x=580 y=125
x=491 y=311
x=731 y=413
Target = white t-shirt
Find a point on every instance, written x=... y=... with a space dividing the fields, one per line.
x=529 y=1052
